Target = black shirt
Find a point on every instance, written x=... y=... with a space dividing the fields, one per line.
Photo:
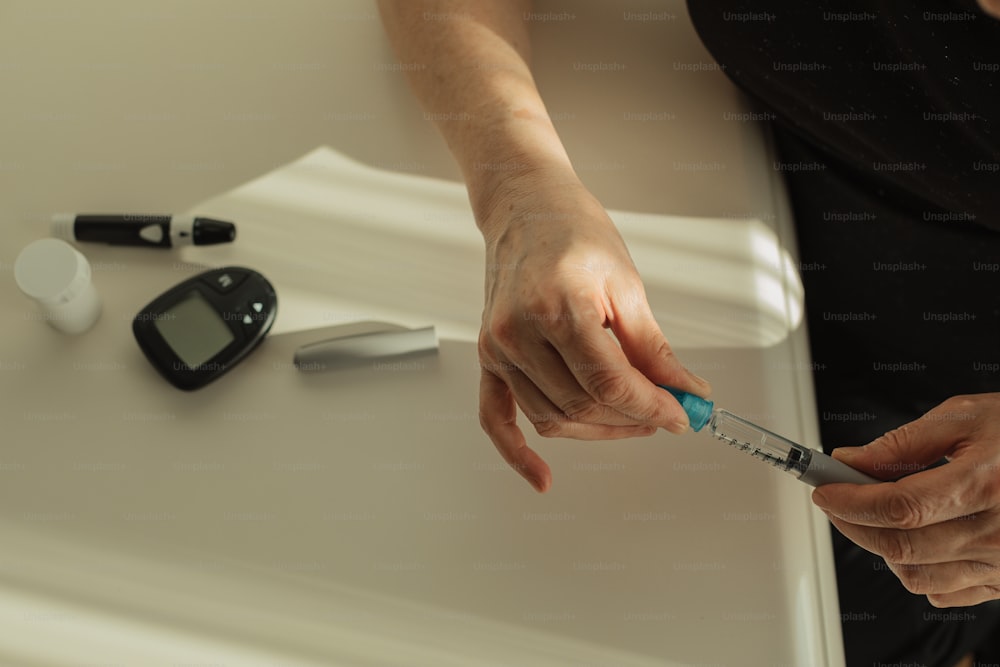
x=887 y=120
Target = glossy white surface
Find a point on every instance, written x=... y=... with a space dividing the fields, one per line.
x=361 y=518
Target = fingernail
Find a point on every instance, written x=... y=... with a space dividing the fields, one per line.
x=677 y=427
x=698 y=378
x=848 y=452
x=534 y=480
x=820 y=500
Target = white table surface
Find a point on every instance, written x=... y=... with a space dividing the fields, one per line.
x=362 y=517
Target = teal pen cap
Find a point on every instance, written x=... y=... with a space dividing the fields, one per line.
x=698 y=409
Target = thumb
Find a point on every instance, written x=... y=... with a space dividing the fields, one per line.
x=648 y=351
x=903 y=451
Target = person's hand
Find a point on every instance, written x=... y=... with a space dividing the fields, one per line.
x=937 y=529
x=557 y=275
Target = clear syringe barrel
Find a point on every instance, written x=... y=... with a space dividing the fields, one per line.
x=809 y=466
x=760 y=443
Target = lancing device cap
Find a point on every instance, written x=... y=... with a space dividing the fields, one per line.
x=698 y=409
x=57 y=277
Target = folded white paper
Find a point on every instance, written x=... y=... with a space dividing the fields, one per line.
x=368 y=243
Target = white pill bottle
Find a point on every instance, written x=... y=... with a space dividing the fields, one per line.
x=57 y=276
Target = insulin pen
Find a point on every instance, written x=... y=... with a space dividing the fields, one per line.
x=154 y=231
x=808 y=465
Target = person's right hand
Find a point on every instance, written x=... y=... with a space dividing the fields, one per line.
x=557 y=275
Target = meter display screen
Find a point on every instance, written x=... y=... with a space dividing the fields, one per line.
x=194 y=330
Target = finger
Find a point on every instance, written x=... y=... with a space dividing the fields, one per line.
x=546 y=387
x=940 y=494
x=498 y=417
x=940 y=543
x=967 y=597
x=551 y=422
x=909 y=448
x=648 y=350
x=602 y=369
x=943 y=578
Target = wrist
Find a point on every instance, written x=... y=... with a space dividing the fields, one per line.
x=523 y=191
x=513 y=161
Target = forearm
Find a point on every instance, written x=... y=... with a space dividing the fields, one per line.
x=471 y=74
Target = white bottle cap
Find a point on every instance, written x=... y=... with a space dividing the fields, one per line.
x=57 y=277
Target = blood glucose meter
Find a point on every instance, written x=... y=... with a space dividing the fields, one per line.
x=200 y=328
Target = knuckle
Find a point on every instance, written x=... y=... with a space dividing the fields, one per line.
x=485 y=426
x=664 y=352
x=493 y=360
x=959 y=404
x=990 y=541
x=549 y=428
x=486 y=423
x=976 y=573
x=983 y=487
x=989 y=485
x=894 y=441
x=991 y=591
x=583 y=409
x=502 y=330
x=483 y=343
x=938 y=601
x=895 y=547
x=915 y=579
x=608 y=387
x=905 y=512
x=564 y=322
x=488 y=362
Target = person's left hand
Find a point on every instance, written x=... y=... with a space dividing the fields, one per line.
x=938 y=529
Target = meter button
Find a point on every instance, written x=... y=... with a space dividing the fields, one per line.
x=255 y=312
x=226 y=280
